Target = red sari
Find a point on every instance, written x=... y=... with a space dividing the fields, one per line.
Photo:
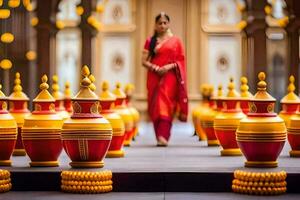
x=167 y=94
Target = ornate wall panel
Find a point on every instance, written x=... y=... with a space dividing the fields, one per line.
x=223 y=12
x=117 y=12
x=223 y=60
x=222 y=38
x=116 y=59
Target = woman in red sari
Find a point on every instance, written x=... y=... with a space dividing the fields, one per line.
x=163 y=56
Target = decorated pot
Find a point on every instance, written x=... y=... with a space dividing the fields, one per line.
x=289 y=103
x=59 y=99
x=262 y=134
x=135 y=113
x=86 y=135
x=67 y=98
x=245 y=95
x=18 y=108
x=41 y=132
x=107 y=100
x=126 y=115
x=204 y=90
x=207 y=117
x=227 y=122
x=290 y=115
x=8 y=132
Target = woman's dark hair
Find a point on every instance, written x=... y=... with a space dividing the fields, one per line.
x=154 y=37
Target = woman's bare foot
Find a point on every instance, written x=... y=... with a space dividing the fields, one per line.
x=162 y=142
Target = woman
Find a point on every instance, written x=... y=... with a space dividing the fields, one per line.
x=163 y=56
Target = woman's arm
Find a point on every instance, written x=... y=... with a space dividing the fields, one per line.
x=146 y=63
x=166 y=68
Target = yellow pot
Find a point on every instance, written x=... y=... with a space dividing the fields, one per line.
x=41 y=133
x=8 y=132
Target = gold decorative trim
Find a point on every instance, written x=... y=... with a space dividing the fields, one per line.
x=115 y=154
x=44 y=164
x=83 y=149
x=19 y=152
x=261 y=164
x=5 y=162
x=87 y=164
x=231 y=152
x=76 y=107
x=95 y=108
x=213 y=143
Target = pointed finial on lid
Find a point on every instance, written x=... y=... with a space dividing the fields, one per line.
x=68 y=92
x=44 y=85
x=105 y=85
x=220 y=90
x=55 y=86
x=17 y=88
x=118 y=85
x=85 y=92
x=291 y=87
x=92 y=85
x=129 y=89
x=262 y=94
x=85 y=72
x=44 y=95
x=245 y=88
x=261 y=85
x=291 y=97
x=18 y=93
x=231 y=89
x=118 y=91
x=106 y=95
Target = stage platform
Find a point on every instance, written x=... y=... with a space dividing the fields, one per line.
x=186 y=165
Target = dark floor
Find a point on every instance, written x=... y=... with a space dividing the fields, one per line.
x=184 y=155
x=139 y=196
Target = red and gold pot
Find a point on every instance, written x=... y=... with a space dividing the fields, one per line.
x=41 y=132
x=86 y=135
x=67 y=98
x=126 y=115
x=227 y=122
x=262 y=134
x=291 y=116
x=107 y=100
x=196 y=113
x=207 y=117
x=135 y=113
x=59 y=99
x=289 y=103
x=18 y=108
x=8 y=132
x=245 y=95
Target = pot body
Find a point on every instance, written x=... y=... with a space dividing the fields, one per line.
x=226 y=124
x=8 y=135
x=86 y=135
x=196 y=121
x=293 y=134
x=261 y=135
x=41 y=135
x=206 y=118
x=19 y=110
x=126 y=115
x=115 y=149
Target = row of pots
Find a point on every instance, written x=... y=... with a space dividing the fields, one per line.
x=255 y=130
x=86 y=136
